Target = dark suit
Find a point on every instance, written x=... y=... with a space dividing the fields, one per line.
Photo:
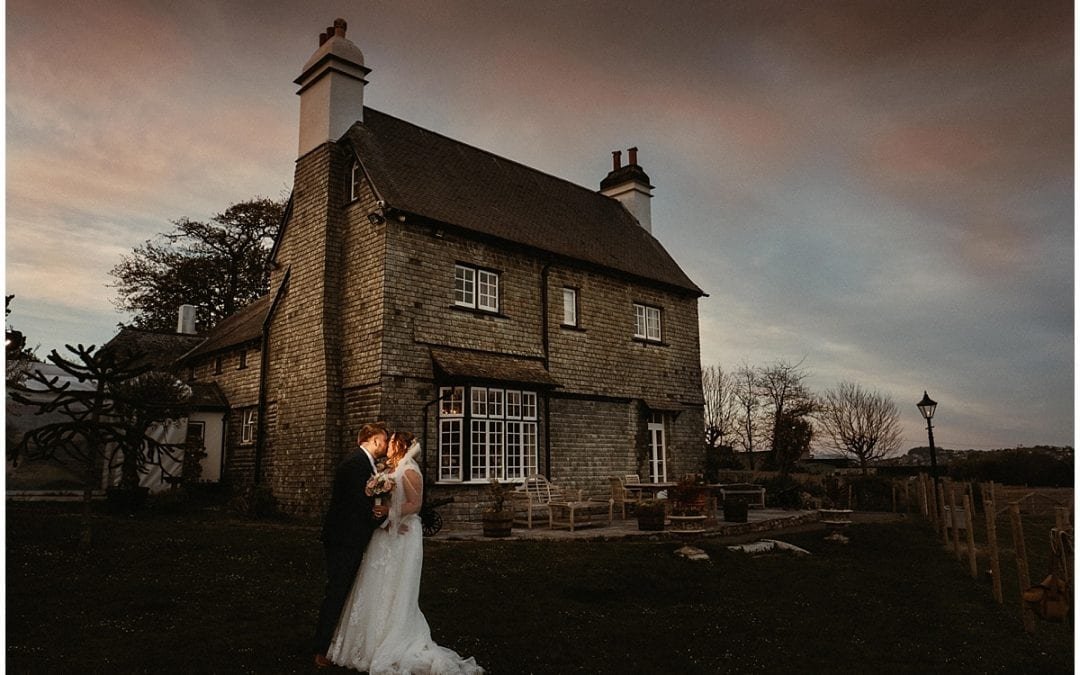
x=347 y=529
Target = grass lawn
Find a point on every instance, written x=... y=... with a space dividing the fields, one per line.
x=206 y=592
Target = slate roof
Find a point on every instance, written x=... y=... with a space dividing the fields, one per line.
x=501 y=367
x=424 y=173
x=208 y=396
x=243 y=326
x=160 y=349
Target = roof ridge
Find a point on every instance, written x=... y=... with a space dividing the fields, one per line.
x=528 y=168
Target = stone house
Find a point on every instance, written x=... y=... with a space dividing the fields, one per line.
x=516 y=322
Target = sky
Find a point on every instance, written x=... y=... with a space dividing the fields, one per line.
x=880 y=190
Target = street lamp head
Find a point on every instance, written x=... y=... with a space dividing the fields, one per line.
x=927 y=406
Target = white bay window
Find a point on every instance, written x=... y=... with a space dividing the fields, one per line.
x=496 y=437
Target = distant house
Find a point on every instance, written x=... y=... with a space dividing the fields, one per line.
x=517 y=322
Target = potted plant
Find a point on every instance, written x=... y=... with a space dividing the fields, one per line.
x=650 y=515
x=735 y=510
x=690 y=497
x=498 y=520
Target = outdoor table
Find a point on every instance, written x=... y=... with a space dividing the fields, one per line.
x=650 y=488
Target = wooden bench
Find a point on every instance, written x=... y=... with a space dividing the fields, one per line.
x=743 y=490
x=532 y=497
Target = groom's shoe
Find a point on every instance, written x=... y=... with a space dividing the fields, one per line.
x=322 y=662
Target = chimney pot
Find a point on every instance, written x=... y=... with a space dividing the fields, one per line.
x=340 y=26
x=616 y=160
x=185 y=322
x=633 y=156
x=322 y=39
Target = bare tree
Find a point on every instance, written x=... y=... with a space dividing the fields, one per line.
x=863 y=424
x=748 y=400
x=721 y=405
x=788 y=399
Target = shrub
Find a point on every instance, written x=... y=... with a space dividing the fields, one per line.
x=871 y=493
x=1037 y=467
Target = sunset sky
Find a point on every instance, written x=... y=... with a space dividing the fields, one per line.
x=883 y=190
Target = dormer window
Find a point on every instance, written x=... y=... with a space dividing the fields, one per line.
x=476 y=288
x=647 y=323
x=354 y=182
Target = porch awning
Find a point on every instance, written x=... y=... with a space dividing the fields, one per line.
x=208 y=396
x=461 y=364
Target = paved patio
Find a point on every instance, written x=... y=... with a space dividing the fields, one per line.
x=758 y=521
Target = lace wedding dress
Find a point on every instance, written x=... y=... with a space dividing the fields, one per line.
x=382 y=629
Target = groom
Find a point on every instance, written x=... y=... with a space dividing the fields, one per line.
x=350 y=520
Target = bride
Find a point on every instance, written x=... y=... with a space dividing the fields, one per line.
x=381 y=629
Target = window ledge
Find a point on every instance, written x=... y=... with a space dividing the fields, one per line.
x=571 y=327
x=479 y=312
x=650 y=343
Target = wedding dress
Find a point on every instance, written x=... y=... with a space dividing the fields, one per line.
x=381 y=629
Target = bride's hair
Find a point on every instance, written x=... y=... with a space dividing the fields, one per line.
x=407 y=438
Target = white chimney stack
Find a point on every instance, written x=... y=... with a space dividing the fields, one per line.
x=331 y=89
x=630 y=185
x=185 y=323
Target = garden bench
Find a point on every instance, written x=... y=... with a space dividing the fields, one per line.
x=533 y=496
x=743 y=490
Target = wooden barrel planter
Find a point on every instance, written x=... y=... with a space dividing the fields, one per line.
x=650 y=516
x=498 y=523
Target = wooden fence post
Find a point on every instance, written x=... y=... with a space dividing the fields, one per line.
x=969 y=514
x=1061 y=517
x=954 y=520
x=991 y=540
x=941 y=513
x=1023 y=576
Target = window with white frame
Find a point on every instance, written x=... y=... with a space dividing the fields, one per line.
x=569 y=307
x=494 y=436
x=657 y=448
x=354 y=181
x=248 y=419
x=647 y=322
x=476 y=288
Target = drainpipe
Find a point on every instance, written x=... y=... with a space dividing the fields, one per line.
x=547 y=349
x=264 y=370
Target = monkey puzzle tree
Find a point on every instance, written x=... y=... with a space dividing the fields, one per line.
x=105 y=426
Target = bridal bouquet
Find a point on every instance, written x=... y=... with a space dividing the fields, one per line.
x=378 y=485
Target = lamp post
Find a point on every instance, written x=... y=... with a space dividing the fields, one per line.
x=927 y=406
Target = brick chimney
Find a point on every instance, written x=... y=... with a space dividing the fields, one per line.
x=331 y=89
x=630 y=185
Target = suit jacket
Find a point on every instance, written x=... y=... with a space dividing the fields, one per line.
x=349 y=520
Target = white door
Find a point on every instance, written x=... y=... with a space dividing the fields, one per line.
x=657 y=449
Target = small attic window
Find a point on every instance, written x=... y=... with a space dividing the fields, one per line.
x=354 y=182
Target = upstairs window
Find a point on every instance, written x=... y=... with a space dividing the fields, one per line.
x=248 y=418
x=354 y=181
x=476 y=288
x=569 y=307
x=647 y=323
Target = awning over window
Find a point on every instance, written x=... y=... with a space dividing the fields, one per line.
x=662 y=405
x=466 y=365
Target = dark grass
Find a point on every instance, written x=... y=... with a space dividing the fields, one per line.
x=205 y=592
